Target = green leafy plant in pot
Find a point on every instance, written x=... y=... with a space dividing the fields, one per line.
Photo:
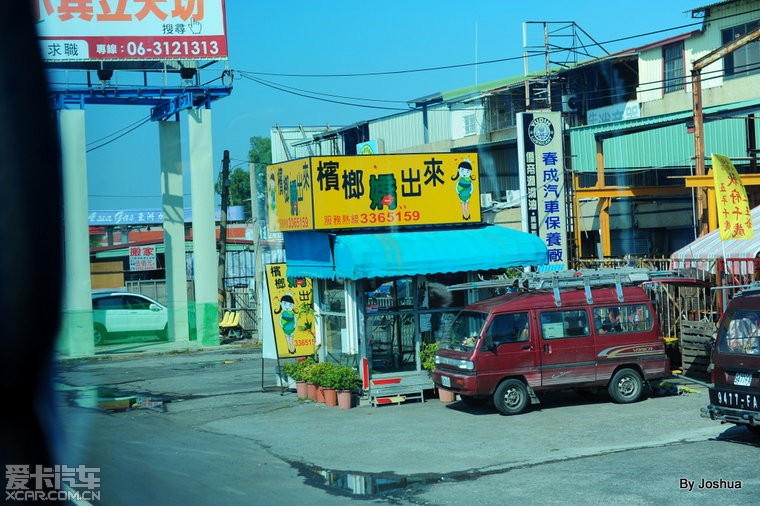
x=427 y=356
x=320 y=376
x=297 y=370
x=345 y=379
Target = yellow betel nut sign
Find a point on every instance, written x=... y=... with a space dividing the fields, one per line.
x=341 y=192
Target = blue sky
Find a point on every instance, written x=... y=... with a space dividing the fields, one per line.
x=344 y=37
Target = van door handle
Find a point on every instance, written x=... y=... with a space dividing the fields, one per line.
x=527 y=347
x=547 y=348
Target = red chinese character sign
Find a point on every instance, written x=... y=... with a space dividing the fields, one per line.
x=132 y=30
x=370 y=191
x=291 y=300
x=733 y=207
x=142 y=258
x=542 y=181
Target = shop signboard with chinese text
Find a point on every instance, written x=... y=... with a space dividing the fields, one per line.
x=370 y=191
x=142 y=258
x=111 y=30
x=733 y=207
x=291 y=301
x=542 y=181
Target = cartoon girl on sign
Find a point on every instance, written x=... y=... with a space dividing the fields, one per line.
x=288 y=320
x=272 y=192
x=464 y=179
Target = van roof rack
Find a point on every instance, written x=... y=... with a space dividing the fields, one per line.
x=751 y=289
x=555 y=280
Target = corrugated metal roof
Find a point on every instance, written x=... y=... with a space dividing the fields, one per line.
x=622 y=127
x=660 y=141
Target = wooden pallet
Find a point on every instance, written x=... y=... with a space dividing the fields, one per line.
x=696 y=342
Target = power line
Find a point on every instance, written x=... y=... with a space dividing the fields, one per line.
x=135 y=127
x=461 y=65
x=313 y=97
x=322 y=94
x=137 y=123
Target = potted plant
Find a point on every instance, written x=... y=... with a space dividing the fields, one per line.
x=288 y=370
x=345 y=380
x=320 y=373
x=427 y=357
x=329 y=382
x=308 y=377
x=297 y=372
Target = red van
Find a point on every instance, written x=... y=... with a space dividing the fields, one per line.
x=512 y=347
x=735 y=359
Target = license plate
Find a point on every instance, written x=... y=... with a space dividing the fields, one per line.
x=742 y=379
x=446 y=381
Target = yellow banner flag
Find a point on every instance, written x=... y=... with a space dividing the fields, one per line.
x=733 y=207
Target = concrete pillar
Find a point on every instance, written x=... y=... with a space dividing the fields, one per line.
x=174 y=229
x=204 y=229
x=76 y=338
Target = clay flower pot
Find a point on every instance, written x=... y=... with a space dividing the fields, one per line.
x=301 y=390
x=345 y=399
x=331 y=396
x=311 y=391
x=446 y=395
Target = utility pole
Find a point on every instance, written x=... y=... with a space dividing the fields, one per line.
x=223 y=226
x=699 y=131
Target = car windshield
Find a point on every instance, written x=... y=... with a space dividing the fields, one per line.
x=740 y=333
x=464 y=331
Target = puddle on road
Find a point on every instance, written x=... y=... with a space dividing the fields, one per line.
x=363 y=484
x=112 y=400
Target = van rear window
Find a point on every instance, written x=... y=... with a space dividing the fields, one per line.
x=623 y=318
x=740 y=333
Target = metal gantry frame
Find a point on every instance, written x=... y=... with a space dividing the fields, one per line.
x=166 y=102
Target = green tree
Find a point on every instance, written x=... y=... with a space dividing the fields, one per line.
x=260 y=155
x=261 y=151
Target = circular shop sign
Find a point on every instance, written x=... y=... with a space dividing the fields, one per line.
x=541 y=131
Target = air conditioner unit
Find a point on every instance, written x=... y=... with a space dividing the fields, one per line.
x=571 y=103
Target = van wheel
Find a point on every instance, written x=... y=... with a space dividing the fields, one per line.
x=511 y=397
x=626 y=386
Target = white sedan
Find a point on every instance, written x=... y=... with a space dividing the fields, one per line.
x=124 y=314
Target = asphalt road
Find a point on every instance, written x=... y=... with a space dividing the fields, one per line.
x=205 y=429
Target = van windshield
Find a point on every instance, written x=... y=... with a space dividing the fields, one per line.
x=464 y=331
x=740 y=333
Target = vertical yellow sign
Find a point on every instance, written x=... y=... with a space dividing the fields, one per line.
x=733 y=207
x=289 y=196
x=291 y=300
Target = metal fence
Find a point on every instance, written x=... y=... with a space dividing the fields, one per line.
x=239 y=296
x=694 y=290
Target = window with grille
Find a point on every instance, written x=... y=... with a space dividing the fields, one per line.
x=745 y=60
x=672 y=56
x=470 y=124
